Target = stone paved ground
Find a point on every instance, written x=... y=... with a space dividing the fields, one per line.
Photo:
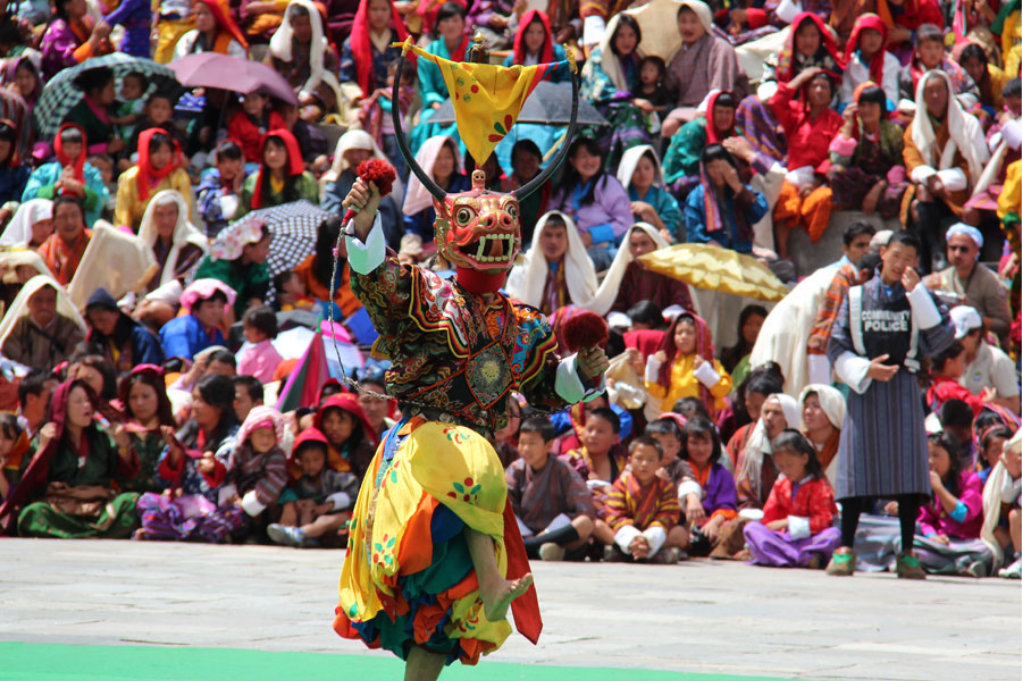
x=716 y=618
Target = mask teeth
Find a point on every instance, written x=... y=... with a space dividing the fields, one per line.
x=481 y=250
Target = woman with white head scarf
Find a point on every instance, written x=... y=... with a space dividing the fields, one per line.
x=31 y=225
x=354 y=147
x=945 y=151
x=823 y=414
x=301 y=52
x=557 y=270
x=642 y=176
x=177 y=244
x=627 y=282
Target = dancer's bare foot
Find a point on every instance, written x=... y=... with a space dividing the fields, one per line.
x=497 y=595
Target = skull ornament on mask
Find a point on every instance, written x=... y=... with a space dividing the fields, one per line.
x=479 y=234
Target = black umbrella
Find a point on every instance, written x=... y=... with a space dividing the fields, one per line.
x=549 y=104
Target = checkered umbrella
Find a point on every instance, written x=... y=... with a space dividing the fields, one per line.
x=293 y=226
x=60 y=94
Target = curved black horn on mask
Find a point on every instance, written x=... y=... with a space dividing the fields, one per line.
x=402 y=143
x=523 y=192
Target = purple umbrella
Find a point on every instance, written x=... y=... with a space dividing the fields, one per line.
x=213 y=70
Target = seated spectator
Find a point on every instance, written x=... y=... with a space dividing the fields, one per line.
x=595 y=200
x=301 y=52
x=640 y=173
x=313 y=506
x=143 y=397
x=975 y=285
x=534 y=44
x=684 y=367
x=261 y=358
x=942 y=162
x=571 y=423
x=219 y=192
x=747 y=403
x=867 y=170
x=159 y=167
x=716 y=501
x=490 y=20
x=722 y=210
x=557 y=271
x=667 y=431
x=290 y=292
x=1003 y=499
x=705 y=62
x=628 y=282
x=609 y=77
x=376 y=406
x=215 y=31
x=317 y=275
x=159 y=113
x=13 y=174
x=526 y=164
x=823 y=416
x=951 y=521
x=735 y=359
x=809 y=44
x=643 y=511
x=248 y=393
x=756 y=470
x=439 y=158
x=42 y=327
x=989 y=79
x=449 y=41
x=985 y=365
x=281 y=177
x=351 y=438
x=204 y=301
x=551 y=502
x=946 y=370
x=370 y=48
x=353 y=148
x=376 y=114
x=602 y=458
x=716 y=124
x=810 y=125
x=63 y=251
x=71 y=37
x=249 y=126
x=69 y=496
x=70 y=174
x=177 y=244
x=796 y=529
x=92 y=113
x=31 y=225
x=929 y=55
x=34 y=392
x=125 y=342
x=93 y=369
x=14 y=444
x=238 y=259
x=992 y=440
x=867 y=59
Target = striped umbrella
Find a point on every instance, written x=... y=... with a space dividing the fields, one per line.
x=60 y=94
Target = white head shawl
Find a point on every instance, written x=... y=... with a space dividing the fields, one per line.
x=19 y=258
x=831 y=401
x=964 y=128
x=759 y=444
x=352 y=139
x=19 y=230
x=417 y=197
x=630 y=161
x=184 y=231
x=702 y=10
x=280 y=47
x=608 y=291
x=19 y=308
x=527 y=281
x=610 y=63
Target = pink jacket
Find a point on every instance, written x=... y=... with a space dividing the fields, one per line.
x=261 y=361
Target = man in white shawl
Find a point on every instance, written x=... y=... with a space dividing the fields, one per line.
x=945 y=152
x=42 y=327
x=31 y=225
x=300 y=51
x=557 y=270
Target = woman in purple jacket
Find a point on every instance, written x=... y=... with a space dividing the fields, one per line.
x=596 y=201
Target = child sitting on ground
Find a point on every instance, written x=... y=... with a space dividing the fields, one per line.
x=717 y=500
x=1006 y=501
x=316 y=504
x=13 y=445
x=260 y=359
x=684 y=367
x=652 y=71
x=643 y=510
x=666 y=430
x=256 y=469
x=946 y=369
x=796 y=530
x=291 y=293
x=552 y=504
x=991 y=447
x=602 y=458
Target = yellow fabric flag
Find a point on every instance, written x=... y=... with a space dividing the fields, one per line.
x=487 y=98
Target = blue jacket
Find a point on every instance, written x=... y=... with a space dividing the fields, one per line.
x=184 y=337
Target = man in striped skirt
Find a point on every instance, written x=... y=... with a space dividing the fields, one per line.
x=883 y=330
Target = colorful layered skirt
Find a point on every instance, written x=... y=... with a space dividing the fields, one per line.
x=408 y=578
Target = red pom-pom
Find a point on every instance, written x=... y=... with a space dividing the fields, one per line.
x=585 y=330
x=380 y=173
